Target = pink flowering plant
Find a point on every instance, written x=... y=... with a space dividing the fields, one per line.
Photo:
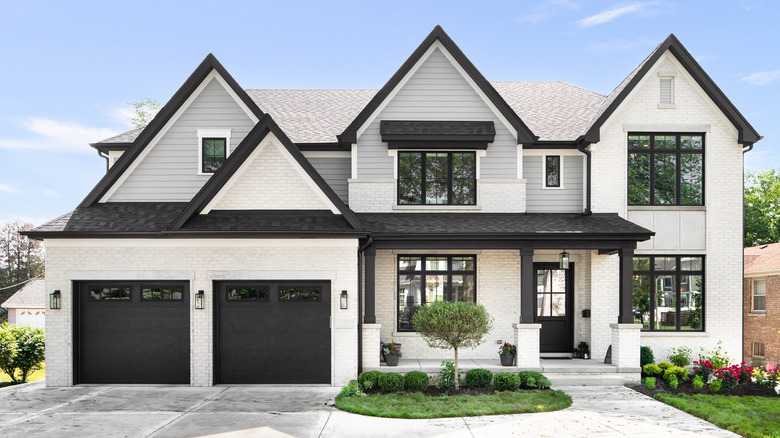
x=734 y=375
x=703 y=368
x=507 y=348
x=767 y=377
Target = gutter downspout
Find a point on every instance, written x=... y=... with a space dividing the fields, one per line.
x=369 y=241
x=100 y=153
x=745 y=150
x=582 y=147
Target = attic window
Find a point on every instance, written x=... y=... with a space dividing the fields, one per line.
x=667 y=91
x=213 y=149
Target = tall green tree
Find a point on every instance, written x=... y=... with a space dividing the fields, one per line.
x=21 y=259
x=762 y=207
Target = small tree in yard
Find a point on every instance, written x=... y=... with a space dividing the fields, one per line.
x=22 y=351
x=446 y=325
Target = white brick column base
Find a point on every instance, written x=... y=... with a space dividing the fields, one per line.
x=527 y=342
x=625 y=346
x=371 y=345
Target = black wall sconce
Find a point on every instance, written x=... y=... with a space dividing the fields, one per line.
x=564 y=260
x=55 y=300
x=343 y=299
x=199 y=297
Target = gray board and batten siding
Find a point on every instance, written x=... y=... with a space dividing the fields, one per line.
x=335 y=171
x=437 y=91
x=169 y=171
x=554 y=200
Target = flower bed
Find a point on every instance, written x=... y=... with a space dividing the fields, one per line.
x=737 y=380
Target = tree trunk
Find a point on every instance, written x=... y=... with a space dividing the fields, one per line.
x=457 y=375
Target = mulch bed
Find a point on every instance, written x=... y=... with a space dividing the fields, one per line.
x=662 y=386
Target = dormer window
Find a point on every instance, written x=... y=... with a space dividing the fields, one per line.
x=213 y=149
x=437 y=178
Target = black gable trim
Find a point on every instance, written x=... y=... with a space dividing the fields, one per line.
x=401 y=130
x=190 y=85
x=523 y=132
x=239 y=156
x=435 y=144
x=747 y=135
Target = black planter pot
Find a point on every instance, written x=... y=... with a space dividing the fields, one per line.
x=507 y=360
x=391 y=360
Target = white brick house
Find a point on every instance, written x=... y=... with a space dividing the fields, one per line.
x=277 y=236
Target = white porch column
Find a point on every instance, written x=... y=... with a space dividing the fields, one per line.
x=527 y=342
x=371 y=345
x=625 y=346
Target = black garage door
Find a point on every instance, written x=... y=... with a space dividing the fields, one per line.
x=132 y=332
x=272 y=332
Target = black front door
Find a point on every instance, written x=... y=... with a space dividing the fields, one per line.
x=554 y=307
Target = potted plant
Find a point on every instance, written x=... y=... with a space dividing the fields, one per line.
x=391 y=352
x=507 y=354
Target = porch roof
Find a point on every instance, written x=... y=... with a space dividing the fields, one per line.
x=517 y=226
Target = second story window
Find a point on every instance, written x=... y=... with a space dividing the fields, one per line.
x=759 y=295
x=437 y=178
x=665 y=169
x=214 y=153
x=552 y=171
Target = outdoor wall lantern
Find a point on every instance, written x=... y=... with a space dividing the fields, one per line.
x=564 y=260
x=343 y=299
x=199 y=299
x=55 y=300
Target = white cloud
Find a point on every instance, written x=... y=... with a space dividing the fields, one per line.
x=7 y=188
x=58 y=136
x=610 y=14
x=762 y=77
x=122 y=114
x=48 y=192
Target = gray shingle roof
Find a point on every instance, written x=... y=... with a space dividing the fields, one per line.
x=553 y=110
x=31 y=296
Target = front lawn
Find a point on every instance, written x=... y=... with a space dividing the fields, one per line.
x=747 y=416
x=34 y=377
x=418 y=405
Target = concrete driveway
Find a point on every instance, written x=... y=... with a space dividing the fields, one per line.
x=32 y=410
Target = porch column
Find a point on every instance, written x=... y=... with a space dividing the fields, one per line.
x=527 y=284
x=625 y=347
x=527 y=342
x=370 y=288
x=371 y=345
x=626 y=286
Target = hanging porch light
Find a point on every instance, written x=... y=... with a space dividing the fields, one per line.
x=564 y=260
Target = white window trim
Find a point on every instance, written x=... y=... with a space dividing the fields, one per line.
x=753 y=296
x=544 y=172
x=211 y=133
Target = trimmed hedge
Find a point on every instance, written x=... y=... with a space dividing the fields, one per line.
x=416 y=381
x=391 y=382
x=369 y=379
x=478 y=378
x=530 y=379
x=506 y=381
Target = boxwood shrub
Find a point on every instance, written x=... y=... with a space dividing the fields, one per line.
x=391 y=382
x=530 y=379
x=416 y=381
x=478 y=378
x=369 y=379
x=506 y=382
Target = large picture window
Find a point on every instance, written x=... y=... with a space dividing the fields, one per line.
x=427 y=279
x=665 y=169
x=669 y=292
x=437 y=178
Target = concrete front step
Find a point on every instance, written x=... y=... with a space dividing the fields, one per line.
x=600 y=379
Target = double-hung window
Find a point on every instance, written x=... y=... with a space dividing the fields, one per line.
x=437 y=178
x=665 y=169
x=669 y=292
x=759 y=295
x=427 y=279
x=213 y=149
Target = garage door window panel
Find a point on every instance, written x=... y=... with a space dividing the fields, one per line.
x=299 y=293
x=259 y=293
x=162 y=294
x=109 y=294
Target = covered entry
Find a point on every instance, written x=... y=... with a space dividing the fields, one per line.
x=132 y=332
x=554 y=307
x=272 y=332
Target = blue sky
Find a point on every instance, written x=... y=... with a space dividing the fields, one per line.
x=70 y=68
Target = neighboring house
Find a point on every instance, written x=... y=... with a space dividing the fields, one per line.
x=28 y=304
x=761 y=304
x=277 y=236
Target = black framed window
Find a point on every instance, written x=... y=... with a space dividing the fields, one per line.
x=110 y=293
x=669 y=292
x=162 y=294
x=552 y=171
x=242 y=293
x=426 y=279
x=299 y=293
x=213 y=154
x=665 y=169
x=437 y=178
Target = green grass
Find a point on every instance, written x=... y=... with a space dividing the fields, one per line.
x=34 y=377
x=748 y=416
x=417 y=405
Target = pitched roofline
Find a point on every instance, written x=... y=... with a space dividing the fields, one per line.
x=217 y=181
x=524 y=133
x=166 y=113
x=747 y=135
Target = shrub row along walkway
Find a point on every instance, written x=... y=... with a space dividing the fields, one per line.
x=32 y=411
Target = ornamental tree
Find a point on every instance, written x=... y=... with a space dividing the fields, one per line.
x=22 y=351
x=452 y=325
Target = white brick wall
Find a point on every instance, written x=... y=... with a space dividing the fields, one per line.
x=723 y=196
x=605 y=285
x=201 y=262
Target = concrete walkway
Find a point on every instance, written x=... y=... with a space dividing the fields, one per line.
x=32 y=410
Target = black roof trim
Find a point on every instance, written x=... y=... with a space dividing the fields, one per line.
x=552 y=145
x=310 y=147
x=152 y=129
x=237 y=158
x=414 y=130
x=747 y=134
x=435 y=144
x=105 y=147
x=41 y=235
x=523 y=132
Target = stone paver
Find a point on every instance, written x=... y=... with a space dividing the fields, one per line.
x=31 y=411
